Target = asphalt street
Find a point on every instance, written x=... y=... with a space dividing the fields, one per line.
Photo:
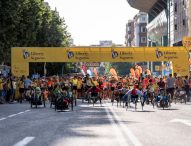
x=105 y=125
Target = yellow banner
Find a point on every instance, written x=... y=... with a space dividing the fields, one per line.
x=22 y=56
x=187 y=42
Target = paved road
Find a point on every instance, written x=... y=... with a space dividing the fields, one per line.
x=100 y=125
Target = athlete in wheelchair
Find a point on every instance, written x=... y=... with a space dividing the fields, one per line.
x=163 y=99
x=93 y=94
x=37 y=97
x=62 y=98
x=132 y=96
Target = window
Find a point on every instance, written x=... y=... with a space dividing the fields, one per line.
x=183 y=22
x=175 y=7
x=143 y=29
x=143 y=40
x=143 y=18
x=175 y=27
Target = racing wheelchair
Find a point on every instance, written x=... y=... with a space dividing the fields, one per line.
x=62 y=101
x=94 y=97
x=163 y=99
x=37 y=97
x=180 y=96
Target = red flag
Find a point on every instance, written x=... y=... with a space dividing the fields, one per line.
x=113 y=73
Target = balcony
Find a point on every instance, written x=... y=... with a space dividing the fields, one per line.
x=142 y=5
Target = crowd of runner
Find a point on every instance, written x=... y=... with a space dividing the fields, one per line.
x=13 y=89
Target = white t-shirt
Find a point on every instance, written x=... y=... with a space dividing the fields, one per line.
x=14 y=85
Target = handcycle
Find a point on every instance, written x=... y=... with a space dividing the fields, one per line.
x=93 y=97
x=163 y=99
x=37 y=98
x=131 y=99
x=180 y=95
x=148 y=97
x=62 y=101
x=115 y=96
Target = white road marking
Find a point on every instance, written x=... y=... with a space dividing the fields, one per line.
x=20 y=113
x=120 y=137
x=13 y=115
x=27 y=111
x=25 y=141
x=10 y=116
x=3 y=119
x=184 y=121
x=126 y=130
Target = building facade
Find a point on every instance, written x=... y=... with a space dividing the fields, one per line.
x=140 y=31
x=157 y=26
x=168 y=20
x=129 y=33
x=180 y=20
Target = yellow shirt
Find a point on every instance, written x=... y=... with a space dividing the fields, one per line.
x=79 y=84
x=1 y=84
x=74 y=82
x=95 y=83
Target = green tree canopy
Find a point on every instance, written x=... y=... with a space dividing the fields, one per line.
x=29 y=23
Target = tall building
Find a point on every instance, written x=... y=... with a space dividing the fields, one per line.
x=179 y=21
x=140 y=31
x=157 y=26
x=129 y=33
x=168 y=20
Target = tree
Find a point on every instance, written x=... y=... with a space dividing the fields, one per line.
x=9 y=19
x=29 y=23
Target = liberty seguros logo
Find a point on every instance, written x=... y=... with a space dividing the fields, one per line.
x=158 y=53
x=70 y=54
x=114 y=54
x=26 y=54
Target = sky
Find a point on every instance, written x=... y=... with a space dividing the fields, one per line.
x=90 y=21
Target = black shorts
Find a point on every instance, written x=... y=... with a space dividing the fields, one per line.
x=94 y=94
x=170 y=90
x=79 y=90
x=74 y=88
x=134 y=96
x=21 y=90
